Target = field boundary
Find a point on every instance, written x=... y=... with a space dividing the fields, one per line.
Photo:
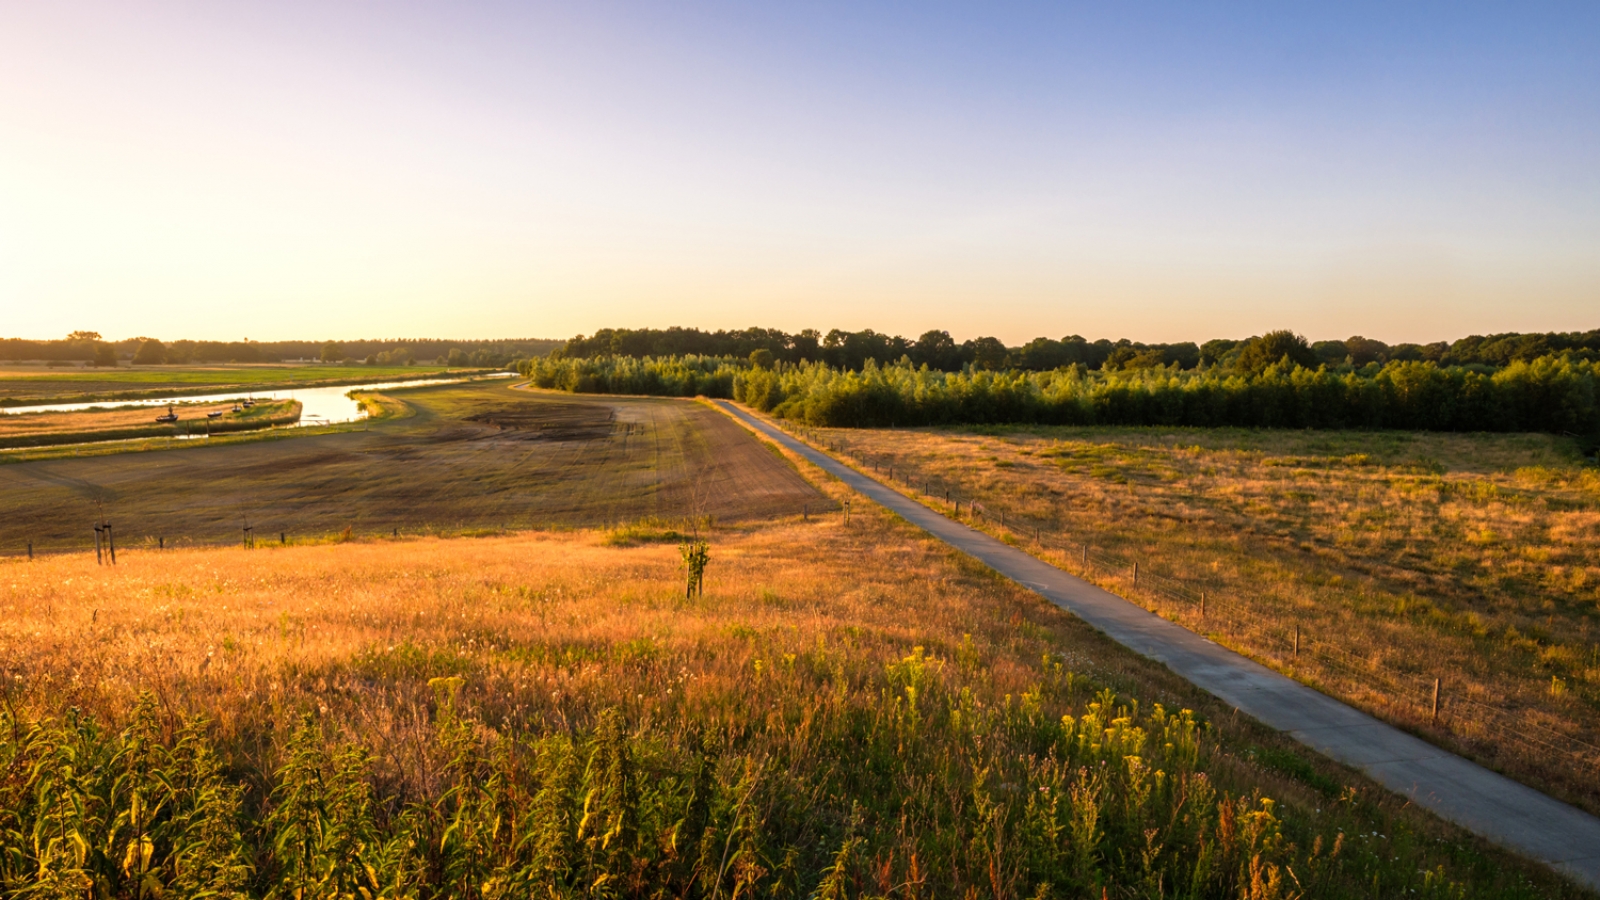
x=1486 y=803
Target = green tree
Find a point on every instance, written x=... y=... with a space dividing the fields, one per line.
x=988 y=353
x=1273 y=347
x=761 y=359
x=151 y=353
x=332 y=352
x=105 y=355
x=457 y=357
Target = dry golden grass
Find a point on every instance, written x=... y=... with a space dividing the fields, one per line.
x=539 y=619
x=1401 y=558
x=550 y=630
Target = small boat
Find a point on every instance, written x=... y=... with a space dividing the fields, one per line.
x=214 y=415
x=169 y=417
x=237 y=408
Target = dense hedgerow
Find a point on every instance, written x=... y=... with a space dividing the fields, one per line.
x=1551 y=394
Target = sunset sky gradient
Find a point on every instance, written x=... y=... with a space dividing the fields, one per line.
x=1160 y=171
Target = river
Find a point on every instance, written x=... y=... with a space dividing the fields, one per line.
x=318 y=405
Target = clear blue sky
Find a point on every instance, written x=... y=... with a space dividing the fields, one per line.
x=1158 y=171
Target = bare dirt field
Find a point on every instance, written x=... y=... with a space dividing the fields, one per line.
x=470 y=457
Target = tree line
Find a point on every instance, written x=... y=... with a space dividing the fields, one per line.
x=1556 y=394
x=89 y=347
x=938 y=350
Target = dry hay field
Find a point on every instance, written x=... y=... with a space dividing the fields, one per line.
x=848 y=710
x=472 y=457
x=1400 y=557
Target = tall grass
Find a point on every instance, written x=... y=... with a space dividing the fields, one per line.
x=847 y=712
x=1406 y=557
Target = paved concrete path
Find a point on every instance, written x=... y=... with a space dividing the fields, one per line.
x=1491 y=805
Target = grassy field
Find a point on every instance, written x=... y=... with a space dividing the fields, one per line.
x=38 y=429
x=1399 y=558
x=451 y=458
x=25 y=385
x=847 y=711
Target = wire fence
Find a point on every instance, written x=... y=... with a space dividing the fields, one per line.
x=1424 y=701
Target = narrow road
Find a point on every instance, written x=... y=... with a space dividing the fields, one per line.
x=1491 y=805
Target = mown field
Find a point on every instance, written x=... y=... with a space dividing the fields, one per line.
x=847 y=711
x=23 y=385
x=477 y=457
x=1399 y=557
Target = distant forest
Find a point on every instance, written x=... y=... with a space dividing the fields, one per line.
x=937 y=350
x=89 y=347
x=1538 y=382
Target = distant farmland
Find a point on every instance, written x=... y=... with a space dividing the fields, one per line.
x=469 y=457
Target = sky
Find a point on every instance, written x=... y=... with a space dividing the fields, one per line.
x=1159 y=171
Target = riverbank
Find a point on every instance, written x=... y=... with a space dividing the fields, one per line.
x=154 y=383
x=55 y=429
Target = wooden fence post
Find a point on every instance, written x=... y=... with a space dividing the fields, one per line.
x=111 y=544
x=1086 y=557
x=1202 y=604
x=1435 y=700
x=97 y=558
x=1297 y=639
x=1135 y=574
x=30 y=551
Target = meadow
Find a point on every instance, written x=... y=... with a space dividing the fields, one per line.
x=480 y=457
x=29 y=385
x=1368 y=564
x=848 y=710
x=45 y=429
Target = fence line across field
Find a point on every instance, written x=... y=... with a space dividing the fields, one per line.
x=1420 y=692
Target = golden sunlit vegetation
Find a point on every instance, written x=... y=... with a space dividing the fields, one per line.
x=1400 y=557
x=45 y=429
x=846 y=711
